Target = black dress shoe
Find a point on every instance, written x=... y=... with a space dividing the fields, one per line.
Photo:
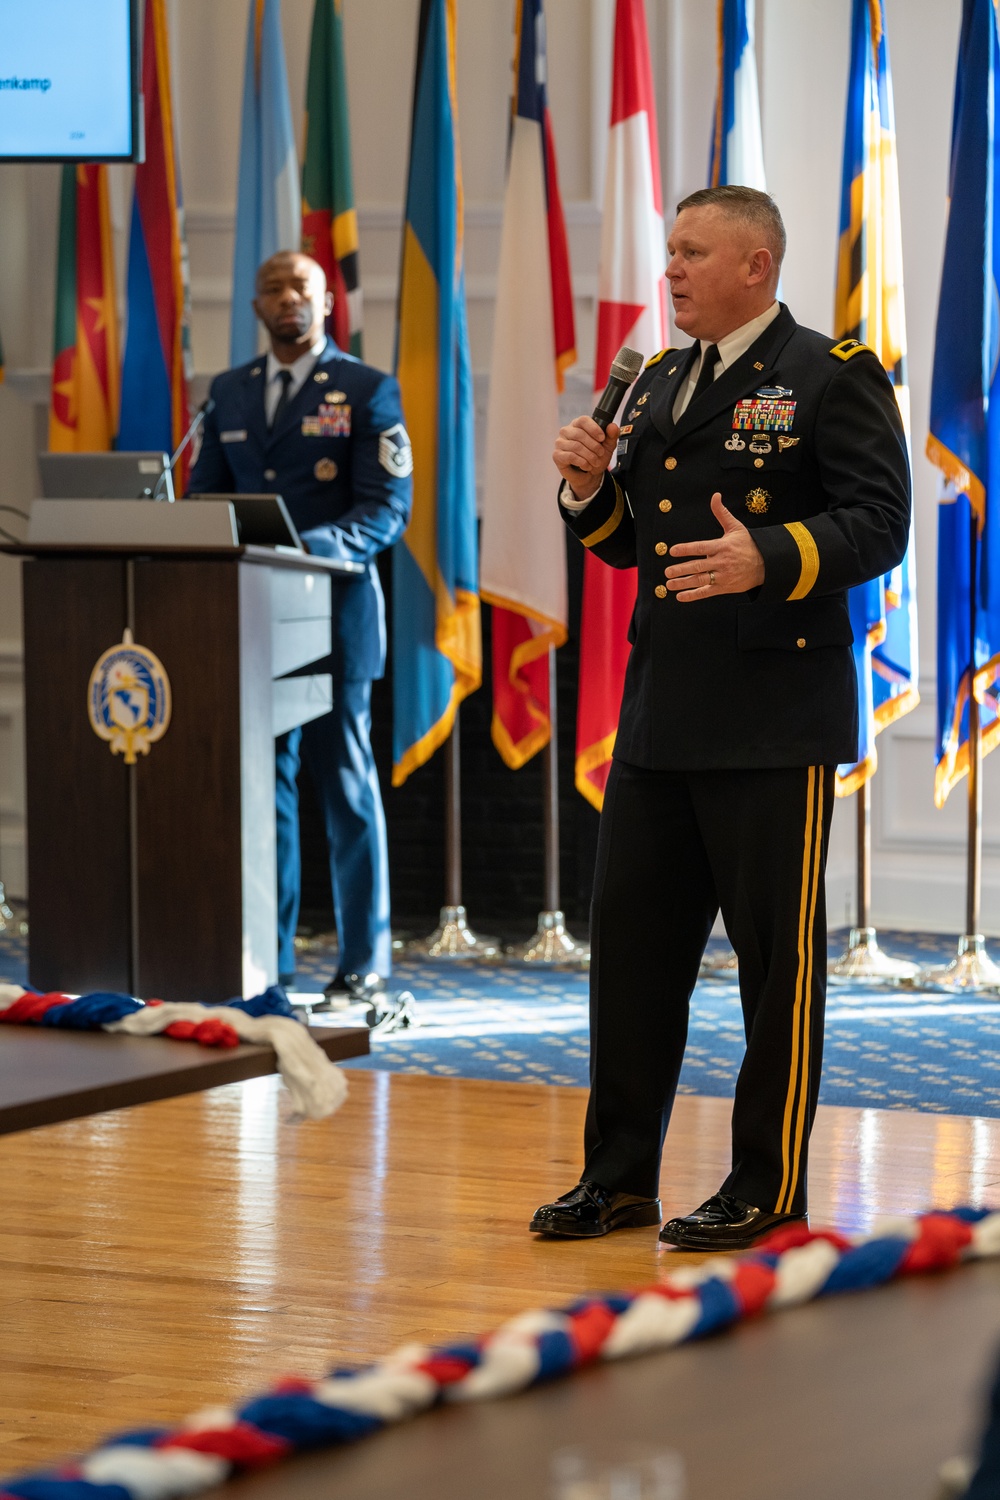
x=352 y=988
x=723 y=1223
x=590 y=1210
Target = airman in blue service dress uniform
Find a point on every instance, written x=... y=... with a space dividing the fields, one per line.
x=761 y=473
x=326 y=432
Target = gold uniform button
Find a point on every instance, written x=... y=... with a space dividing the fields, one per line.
x=800 y=642
x=666 y=505
x=660 y=591
x=670 y=463
x=758 y=463
x=661 y=548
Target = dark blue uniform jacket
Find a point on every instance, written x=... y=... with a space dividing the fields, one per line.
x=340 y=458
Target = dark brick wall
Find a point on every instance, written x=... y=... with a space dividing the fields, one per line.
x=502 y=811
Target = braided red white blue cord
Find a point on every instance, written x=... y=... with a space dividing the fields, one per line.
x=317 y=1087
x=792 y=1266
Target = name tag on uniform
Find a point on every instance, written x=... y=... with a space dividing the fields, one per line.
x=239 y=435
x=329 y=421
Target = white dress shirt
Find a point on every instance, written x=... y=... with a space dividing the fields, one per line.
x=730 y=349
x=300 y=372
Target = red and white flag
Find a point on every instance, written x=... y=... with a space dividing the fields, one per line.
x=632 y=309
x=523 y=563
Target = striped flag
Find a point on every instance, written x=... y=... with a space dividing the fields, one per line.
x=523 y=538
x=268 y=204
x=83 y=405
x=632 y=310
x=157 y=363
x=437 y=644
x=329 y=220
x=869 y=307
x=964 y=439
x=737 y=154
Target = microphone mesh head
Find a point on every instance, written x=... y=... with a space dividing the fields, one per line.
x=626 y=364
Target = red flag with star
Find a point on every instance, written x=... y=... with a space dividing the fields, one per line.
x=632 y=309
x=83 y=410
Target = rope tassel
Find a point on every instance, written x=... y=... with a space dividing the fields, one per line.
x=791 y=1266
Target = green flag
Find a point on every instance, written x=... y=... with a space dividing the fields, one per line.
x=329 y=220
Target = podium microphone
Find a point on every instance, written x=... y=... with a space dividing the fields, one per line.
x=206 y=406
x=624 y=368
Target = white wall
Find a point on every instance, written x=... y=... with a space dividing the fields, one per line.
x=803 y=51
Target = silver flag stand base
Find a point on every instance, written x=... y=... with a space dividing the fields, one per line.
x=970 y=972
x=865 y=961
x=551 y=944
x=454 y=938
x=8 y=918
x=726 y=966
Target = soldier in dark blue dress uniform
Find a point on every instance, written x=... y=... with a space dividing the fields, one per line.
x=761 y=473
x=326 y=432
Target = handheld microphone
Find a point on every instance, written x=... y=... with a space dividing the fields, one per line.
x=624 y=368
x=206 y=406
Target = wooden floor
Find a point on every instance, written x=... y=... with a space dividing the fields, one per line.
x=187 y=1252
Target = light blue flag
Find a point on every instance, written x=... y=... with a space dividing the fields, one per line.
x=268 y=205
x=437 y=643
x=869 y=306
x=737 y=154
x=964 y=439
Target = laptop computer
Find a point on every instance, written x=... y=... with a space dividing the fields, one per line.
x=105 y=476
x=261 y=521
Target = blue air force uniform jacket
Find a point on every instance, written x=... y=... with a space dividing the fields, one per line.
x=802 y=436
x=340 y=458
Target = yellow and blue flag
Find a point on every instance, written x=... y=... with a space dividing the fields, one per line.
x=964 y=439
x=737 y=154
x=268 y=201
x=869 y=307
x=437 y=642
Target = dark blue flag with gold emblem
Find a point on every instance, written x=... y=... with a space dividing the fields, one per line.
x=869 y=307
x=964 y=439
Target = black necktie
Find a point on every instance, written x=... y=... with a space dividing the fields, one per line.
x=706 y=376
x=285 y=376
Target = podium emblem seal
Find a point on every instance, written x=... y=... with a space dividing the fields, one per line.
x=128 y=699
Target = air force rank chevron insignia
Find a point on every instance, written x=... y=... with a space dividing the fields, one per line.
x=394 y=452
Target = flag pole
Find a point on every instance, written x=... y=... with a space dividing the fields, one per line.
x=453 y=937
x=971 y=970
x=551 y=943
x=864 y=959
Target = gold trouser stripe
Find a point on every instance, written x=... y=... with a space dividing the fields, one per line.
x=796 y=1100
x=611 y=524
x=803 y=1103
x=809 y=553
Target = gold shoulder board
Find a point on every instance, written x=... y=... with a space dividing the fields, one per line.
x=847 y=348
x=656 y=358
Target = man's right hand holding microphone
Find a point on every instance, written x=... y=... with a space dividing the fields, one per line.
x=582 y=453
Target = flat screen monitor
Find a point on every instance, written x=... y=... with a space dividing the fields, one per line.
x=105 y=476
x=69 y=80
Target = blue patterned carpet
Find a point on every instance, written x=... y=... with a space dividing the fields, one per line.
x=883 y=1048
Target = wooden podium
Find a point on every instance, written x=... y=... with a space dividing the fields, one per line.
x=159 y=878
